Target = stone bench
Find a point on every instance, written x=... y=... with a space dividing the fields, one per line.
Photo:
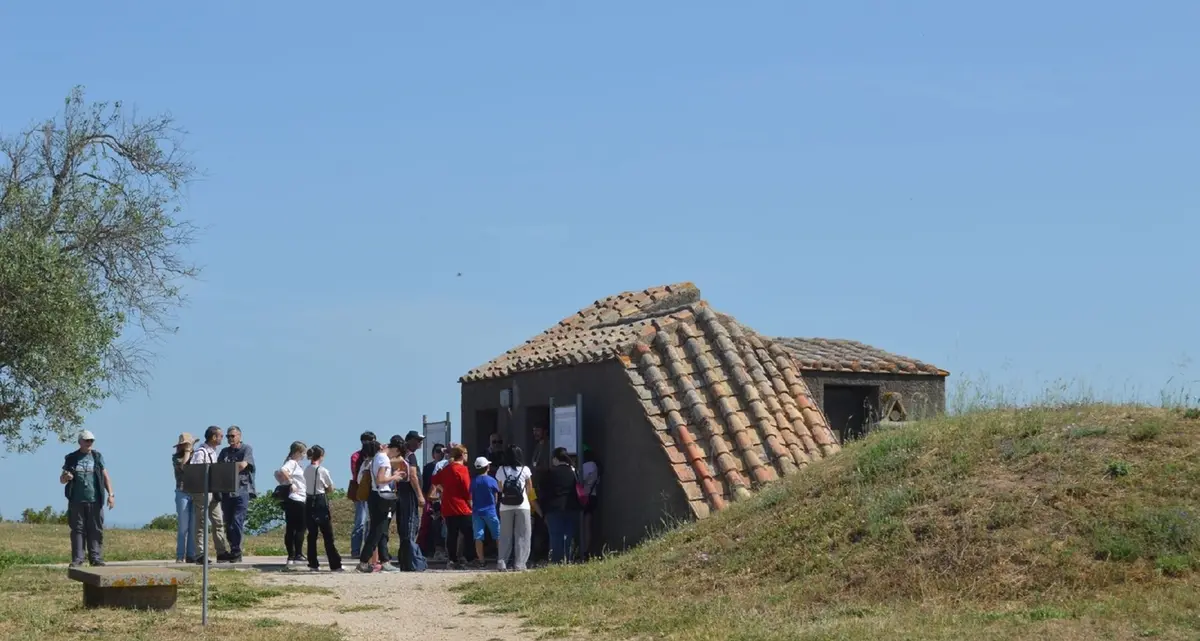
x=130 y=587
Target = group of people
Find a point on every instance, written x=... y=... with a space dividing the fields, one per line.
x=225 y=511
x=443 y=508
x=550 y=522
x=445 y=502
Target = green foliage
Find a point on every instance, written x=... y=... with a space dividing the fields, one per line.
x=55 y=330
x=90 y=243
x=169 y=522
x=1146 y=430
x=266 y=514
x=1117 y=469
x=263 y=515
x=1148 y=534
x=44 y=516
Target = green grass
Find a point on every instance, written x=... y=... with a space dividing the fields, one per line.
x=1070 y=522
x=41 y=604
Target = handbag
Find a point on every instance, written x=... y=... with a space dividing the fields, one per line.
x=362 y=492
x=317 y=503
x=282 y=492
x=580 y=491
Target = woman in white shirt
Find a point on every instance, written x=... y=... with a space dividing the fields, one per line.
x=318 y=483
x=381 y=505
x=292 y=474
x=517 y=498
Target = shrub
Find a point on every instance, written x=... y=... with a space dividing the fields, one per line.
x=168 y=522
x=44 y=516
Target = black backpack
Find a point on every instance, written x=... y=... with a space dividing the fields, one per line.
x=513 y=492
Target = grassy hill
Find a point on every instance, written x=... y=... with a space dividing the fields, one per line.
x=1069 y=523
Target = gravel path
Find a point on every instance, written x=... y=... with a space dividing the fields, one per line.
x=400 y=605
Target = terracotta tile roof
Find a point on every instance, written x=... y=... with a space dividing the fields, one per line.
x=838 y=355
x=593 y=334
x=728 y=405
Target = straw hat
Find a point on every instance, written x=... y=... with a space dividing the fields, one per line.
x=185 y=439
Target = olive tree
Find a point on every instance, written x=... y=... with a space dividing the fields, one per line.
x=91 y=261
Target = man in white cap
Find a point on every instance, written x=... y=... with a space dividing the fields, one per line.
x=86 y=484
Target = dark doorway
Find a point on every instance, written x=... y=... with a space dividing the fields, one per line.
x=851 y=409
x=487 y=422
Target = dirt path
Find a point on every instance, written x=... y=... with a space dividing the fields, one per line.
x=382 y=607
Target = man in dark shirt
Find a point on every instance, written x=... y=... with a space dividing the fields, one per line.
x=431 y=520
x=86 y=482
x=234 y=505
x=408 y=521
x=540 y=536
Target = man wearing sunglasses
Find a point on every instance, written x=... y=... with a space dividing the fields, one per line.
x=234 y=505
x=86 y=482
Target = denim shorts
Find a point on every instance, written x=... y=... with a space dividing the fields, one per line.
x=490 y=522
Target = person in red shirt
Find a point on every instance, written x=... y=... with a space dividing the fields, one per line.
x=454 y=484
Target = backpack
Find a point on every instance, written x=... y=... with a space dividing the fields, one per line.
x=513 y=491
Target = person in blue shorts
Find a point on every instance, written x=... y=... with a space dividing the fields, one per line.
x=485 y=492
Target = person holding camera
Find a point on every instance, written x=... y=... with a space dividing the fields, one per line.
x=87 y=487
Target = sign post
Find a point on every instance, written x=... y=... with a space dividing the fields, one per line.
x=435 y=432
x=566 y=431
x=566 y=426
x=207 y=479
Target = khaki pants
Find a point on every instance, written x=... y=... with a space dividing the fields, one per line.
x=216 y=524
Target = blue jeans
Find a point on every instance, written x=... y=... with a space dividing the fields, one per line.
x=564 y=527
x=185 y=533
x=360 y=528
x=233 y=508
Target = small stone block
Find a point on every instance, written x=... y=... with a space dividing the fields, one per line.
x=130 y=588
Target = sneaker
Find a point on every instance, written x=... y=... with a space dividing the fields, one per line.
x=76 y=564
x=201 y=560
x=234 y=558
x=97 y=563
x=338 y=570
x=189 y=559
x=302 y=560
x=388 y=567
x=365 y=568
x=223 y=557
x=477 y=564
x=501 y=566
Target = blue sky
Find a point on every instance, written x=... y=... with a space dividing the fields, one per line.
x=1007 y=191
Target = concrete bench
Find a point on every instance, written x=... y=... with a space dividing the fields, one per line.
x=129 y=587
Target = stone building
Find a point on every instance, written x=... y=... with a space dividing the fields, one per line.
x=686 y=409
x=858 y=385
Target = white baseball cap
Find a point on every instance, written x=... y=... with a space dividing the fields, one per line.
x=85 y=435
x=482 y=462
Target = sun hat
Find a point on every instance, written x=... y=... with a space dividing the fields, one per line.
x=185 y=439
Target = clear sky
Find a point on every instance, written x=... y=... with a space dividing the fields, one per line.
x=1002 y=189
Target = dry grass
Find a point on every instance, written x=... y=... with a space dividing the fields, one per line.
x=22 y=544
x=1076 y=522
x=40 y=604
